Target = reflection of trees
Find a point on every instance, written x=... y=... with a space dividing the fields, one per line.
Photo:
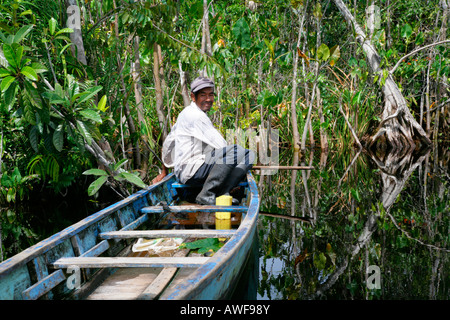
x=374 y=236
x=396 y=168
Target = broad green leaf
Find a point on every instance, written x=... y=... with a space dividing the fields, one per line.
x=84 y=132
x=134 y=179
x=22 y=33
x=65 y=30
x=119 y=164
x=4 y=73
x=6 y=82
x=19 y=54
x=241 y=31
x=52 y=25
x=102 y=103
x=29 y=114
x=10 y=94
x=89 y=93
x=406 y=31
x=203 y=245
x=10 y=55
x=96 y=185
x=95 y=172
x=29 y=73
x=323 y=53
x=11 y=196
x=38 y=68
x=91 y=115
x=33 y=94
x=58 y=138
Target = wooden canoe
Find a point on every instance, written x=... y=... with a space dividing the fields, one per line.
x=93 y=259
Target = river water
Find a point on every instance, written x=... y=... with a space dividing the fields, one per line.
x=372 y=227
x=377 y=228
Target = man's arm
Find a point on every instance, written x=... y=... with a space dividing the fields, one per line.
x=160 y=176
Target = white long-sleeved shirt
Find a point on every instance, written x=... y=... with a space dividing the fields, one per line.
x=192 y=136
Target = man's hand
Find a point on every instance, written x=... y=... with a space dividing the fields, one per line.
x=160 y=176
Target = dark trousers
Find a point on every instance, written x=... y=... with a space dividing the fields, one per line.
x=232 y=155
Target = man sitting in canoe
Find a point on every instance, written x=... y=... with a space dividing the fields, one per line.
x=199 y=154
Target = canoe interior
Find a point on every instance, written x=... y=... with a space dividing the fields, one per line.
x=86 y=260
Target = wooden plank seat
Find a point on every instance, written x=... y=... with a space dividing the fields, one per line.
x=130 y=262
x=193 y=208
x=183 y=233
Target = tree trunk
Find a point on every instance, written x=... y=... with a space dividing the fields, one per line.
x=159 y=95
x=136 y=74
x=206 y=37
x=398 y=125
x=184 y=88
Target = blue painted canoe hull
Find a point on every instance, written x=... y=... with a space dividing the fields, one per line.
x=34 y=273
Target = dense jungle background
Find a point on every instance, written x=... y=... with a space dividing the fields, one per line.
x=359 y=89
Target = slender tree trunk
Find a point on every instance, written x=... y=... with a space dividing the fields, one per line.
x=206 y=37
x=296 y=135
x=184 y=88
x=136 y=74
x=159 y=94
x=397 y=125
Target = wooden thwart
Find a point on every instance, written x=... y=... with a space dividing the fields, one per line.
x=184 y=233
x=130 y=262
x=193 y=208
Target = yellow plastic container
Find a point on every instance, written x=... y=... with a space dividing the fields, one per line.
x=223 y=201
x=223 y=224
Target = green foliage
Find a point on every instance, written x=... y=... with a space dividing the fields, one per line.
x=118 y=174
x=203 y=245
x=14 y=187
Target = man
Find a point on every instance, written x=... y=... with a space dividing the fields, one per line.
x=199 y=154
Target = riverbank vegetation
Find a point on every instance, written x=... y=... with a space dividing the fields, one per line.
x=90 y=89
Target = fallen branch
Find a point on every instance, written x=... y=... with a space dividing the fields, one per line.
x=283 y=216
x=414 y=52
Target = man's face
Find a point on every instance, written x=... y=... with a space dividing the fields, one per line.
x=205 y=99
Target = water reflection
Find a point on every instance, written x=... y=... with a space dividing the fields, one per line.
x=388 y=211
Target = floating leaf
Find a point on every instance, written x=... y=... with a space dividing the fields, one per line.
x=203 y=245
